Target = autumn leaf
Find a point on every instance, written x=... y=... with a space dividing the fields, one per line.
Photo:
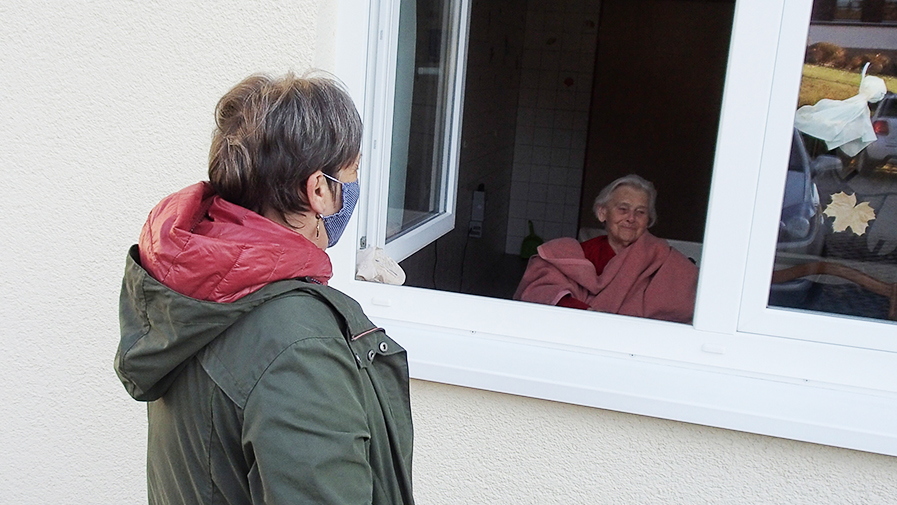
x=848 y=214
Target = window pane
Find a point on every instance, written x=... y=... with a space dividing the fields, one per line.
x=855 y=11
x=555 y=109
x=424 y=72
x=837 y=245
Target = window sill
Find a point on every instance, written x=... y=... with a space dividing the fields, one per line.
x=821 y=413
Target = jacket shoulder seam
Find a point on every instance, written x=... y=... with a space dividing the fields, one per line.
x=292 y=344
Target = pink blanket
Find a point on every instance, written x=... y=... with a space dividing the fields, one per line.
x=647 y=279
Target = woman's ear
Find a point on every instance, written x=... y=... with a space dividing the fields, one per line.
x=318 y=193
x=601 y=213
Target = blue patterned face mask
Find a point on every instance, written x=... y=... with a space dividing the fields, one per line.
x=335 y=224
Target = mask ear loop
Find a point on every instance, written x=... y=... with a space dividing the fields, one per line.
x=334 y=179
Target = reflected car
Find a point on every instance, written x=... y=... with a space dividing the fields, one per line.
x=884 y=149
x=801 y=219
x=801 y=231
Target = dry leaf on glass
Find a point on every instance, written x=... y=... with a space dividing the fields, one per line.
x=848 y=214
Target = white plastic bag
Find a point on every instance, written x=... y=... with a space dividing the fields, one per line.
x=843 y=123
x=372 y=264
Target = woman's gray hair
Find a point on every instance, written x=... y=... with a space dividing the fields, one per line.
x=274 y=132
x=633 y=181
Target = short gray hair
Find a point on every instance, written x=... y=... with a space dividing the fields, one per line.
x=633 y=181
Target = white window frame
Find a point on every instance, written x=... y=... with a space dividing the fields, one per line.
x=756 y=317
x=730 y=369
x=382 y=46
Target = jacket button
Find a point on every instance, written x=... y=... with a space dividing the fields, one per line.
x=383 y=347
x=371 y=355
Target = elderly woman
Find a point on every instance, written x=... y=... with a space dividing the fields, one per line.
x=627 y=271
x=264 y=385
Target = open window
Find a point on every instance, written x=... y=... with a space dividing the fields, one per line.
x=744 y=364
x=559 y=101
x=417 y=58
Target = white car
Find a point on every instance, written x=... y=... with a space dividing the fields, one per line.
x=884 y=149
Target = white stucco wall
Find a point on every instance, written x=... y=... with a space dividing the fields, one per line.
x=478 y=447
x=106 y=106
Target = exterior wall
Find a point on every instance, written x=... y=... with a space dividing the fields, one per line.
x=478 y=447
x=107 y=107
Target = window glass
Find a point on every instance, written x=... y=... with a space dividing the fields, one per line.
x=848 y=9
x=559 y=101
x=855 y=11
x=423 y=85
x=837 y=244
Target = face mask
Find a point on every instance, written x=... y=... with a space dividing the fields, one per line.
x=335 y=224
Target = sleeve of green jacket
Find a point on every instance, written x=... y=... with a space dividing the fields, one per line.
x=305 y=428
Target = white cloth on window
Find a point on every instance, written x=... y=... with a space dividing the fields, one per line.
x=372 y=264
x=843 y=123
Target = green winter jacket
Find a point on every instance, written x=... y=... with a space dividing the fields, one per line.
x=287 y=395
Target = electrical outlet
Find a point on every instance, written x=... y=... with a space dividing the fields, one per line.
x=475 y=229
x=477 y=212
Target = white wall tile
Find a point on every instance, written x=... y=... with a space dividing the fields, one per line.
x=561 y=138
x=545 y=118
x=552 y=118
x=543 y=137
x=517 y=209
x=554 y=212
x=564 y=121
x=557 y=193
x=535 y=210
x=547 y=99
x=523 y=154
x=519 y=191
x=560 y=156
x=541 y=156
x=537 y=193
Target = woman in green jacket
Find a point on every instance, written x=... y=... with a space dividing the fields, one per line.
x=264 y=385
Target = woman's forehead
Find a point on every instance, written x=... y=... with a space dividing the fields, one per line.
x=630 y=195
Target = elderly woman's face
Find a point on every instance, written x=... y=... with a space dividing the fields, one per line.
x=625 y=216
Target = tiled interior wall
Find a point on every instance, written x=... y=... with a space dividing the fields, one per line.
x=552 y=118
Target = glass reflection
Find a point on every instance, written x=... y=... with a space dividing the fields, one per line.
x=837 y=246
x=423 y=87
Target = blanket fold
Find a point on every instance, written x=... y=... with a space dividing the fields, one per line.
x=647 y=279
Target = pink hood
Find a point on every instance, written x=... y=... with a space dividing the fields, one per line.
x=204 y=247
